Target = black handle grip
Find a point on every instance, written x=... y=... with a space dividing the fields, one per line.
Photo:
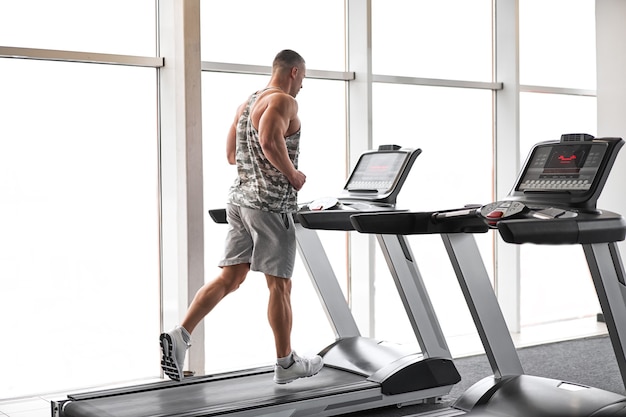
x=218 y=215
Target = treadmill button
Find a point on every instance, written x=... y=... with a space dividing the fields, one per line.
x=496 y=214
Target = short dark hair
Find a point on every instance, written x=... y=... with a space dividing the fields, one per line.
x=286 y=59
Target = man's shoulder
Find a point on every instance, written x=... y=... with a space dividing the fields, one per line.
x=278 y=97
x=281 y=103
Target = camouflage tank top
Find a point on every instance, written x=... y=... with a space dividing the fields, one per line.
x=259 y=185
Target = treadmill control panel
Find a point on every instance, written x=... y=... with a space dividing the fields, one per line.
x=502 y=210
x=372 y=186
x=375 y=172
x=554 y=199
x=497 y=211
x=570 y=172
x=379 y=174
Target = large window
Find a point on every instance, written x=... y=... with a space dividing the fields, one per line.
x=79 y=248
x=453 y=127
x=550 y=270
x=112 y=26
x=557 y=43
x=557 y=49
x=449 y=39
x=253 y=31
x=79 y=255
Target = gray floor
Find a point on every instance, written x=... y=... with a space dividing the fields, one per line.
x=588 y=361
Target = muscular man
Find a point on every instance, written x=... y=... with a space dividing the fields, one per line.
x=263 y=142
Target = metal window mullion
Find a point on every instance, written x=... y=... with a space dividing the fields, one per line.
x=435 y=82
x=557 y=90
x=361 y=247
x=231 y=68
x=81 y=57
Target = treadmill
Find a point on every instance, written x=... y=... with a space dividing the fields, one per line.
x=553 y=202
x=360 y=373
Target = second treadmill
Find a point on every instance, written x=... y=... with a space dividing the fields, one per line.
x=553 y=202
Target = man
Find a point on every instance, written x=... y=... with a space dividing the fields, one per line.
x=263 y=142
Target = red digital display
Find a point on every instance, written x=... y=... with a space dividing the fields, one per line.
x=570 y=158
x=563 y=167
x=567 y=159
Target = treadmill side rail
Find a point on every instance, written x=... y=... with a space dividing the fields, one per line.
x=483 y=304
x=325 y=282
x=607 y=273
x=414 y=295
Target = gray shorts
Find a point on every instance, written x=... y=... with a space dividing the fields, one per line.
x=265 y=240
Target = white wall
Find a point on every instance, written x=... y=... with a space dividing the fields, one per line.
x=611 y=90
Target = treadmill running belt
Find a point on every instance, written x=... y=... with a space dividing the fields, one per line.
x=218 y=397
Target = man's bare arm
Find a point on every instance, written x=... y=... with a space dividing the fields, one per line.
x=231 y=142
x=273 y=126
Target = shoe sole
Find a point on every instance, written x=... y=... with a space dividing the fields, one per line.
x=168 y=362
x=283 y=382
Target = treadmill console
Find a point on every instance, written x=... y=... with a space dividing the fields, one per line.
x=570 y=172
x=379 y=175
x=553 y=200
x=373 y=185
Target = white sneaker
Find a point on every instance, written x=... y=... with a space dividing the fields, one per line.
x=300 y=368
x=174 y=349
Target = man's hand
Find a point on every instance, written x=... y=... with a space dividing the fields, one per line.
x=297 y=180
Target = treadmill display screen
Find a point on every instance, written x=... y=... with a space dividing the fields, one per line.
x=563 y=167
x=376 y=172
